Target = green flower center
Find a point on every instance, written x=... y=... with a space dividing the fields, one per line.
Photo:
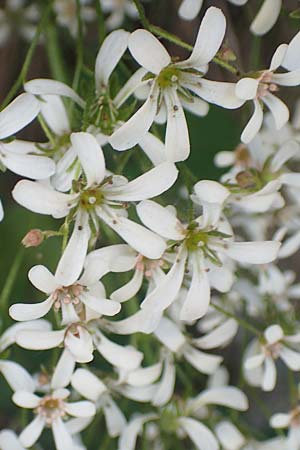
x=91 y=198
x=168 y=77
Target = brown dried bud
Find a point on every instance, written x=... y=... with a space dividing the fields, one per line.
x=245 y=179
x=33 y=238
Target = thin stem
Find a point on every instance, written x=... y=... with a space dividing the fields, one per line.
x=54 y=53
x=23 y=73
x=11 y=277
x=101 y=22
x=79 y=53
x=141 y=10
x=241 y=321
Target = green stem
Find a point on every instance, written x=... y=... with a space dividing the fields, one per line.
x=55 y=55
x=11 y=277
x=241 y=321
x=101 y=22
x=141 y=10
x=79 y=54
x=24 y=70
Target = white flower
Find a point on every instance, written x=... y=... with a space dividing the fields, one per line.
x=83 y=300
x=291 y=421
x=50 y=411
x=261 y=87
x=9 y=441
x=260 y=357
x=101 y=197
x=67 y=16
x=205 y=243
x=262 y=23
x=172 y=86
x=117 y=9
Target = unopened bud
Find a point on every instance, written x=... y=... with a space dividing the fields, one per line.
x=33 y=238
x=245 y=179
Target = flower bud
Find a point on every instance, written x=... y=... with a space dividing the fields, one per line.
x=33 y=238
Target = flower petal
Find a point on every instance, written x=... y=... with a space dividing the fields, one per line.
x=32 y=432
x=292 y=57
x=203 y=362
x=201 y=436
x=129 y=289
x=19 y=113
x=101 y=305
x=25 y=311
x=218 y=336
x=266 y=17
x=39 y=340
x=87 y=384
x=246 y=88
x=279 y=110
x=62 y=438
x=42 y=279
x=9 y=441
x=26 y=399
x=45 y=86
x=228 y=396
x=16 y=376
x=90 y=156
x=253 y=252
x=189 y=9
x=218 y=93
x=123 y=357
x=63 y=370
x=148 y=51
x=254 y=124
x=82 y=408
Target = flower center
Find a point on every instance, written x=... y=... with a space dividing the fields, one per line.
x=168 y=77
x=67 y=295
x=91 y=198
x=51 y=408
x=272 y=350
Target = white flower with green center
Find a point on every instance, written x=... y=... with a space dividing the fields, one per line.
x=51 y=411
x=260 y=357
x=173 y=86
x=204 y=246
x=263 y=22
x=261 y=86
x=102 y=198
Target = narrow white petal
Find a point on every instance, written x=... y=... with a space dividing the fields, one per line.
x=142 y=321
x=142 y=394
x=9 y=441
x=229 y=396
x=26 y=399
x=203 y=362
x=114 y=418
x=26 y=311
x=269 y=376
x=32 y=432
x=189 y=9
x=195 y=105
x=134 y=82
x=18 y=114
x=218 y=93
x=41 y=199
x=165 y=293
x=273 y=334
x=229 y=436
x=142 y=240
x=129 y=289
x=292 y=57
x=144 y=375
x=9 y=336
x=266 y=17
x=55 y=114
x=280 y=420
x=39 y=340
x=165 y=388
x=45 y=86
x=253 y=252
x=278 y=57
x=218 y=336
x=287 y=151
x=90 y=156
x=71 y=263
x=16 y=376
x=290 y=246
x=154 y=148
x=279 y=110
x=63 y=370
x=254 y=124
x=177 y=134
x=254 y=362
x=170 y=335
x=291 y=358
x=160 y=220
x=287 y=79
x=87 y=384
x=42 y=279
x=100 y=305
x=62 y=438
x=82 y=408
x=291 y=179
x=246 y=88
x=130 y=433
x=80 y=345
x=124 y=357
x=209 y=38
x=148 y=51
x=129 y=134
x=110 y=53
x=201 y=436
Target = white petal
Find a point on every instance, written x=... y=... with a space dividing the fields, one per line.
x=41 y=199
x=81 y=409
x=63 y=370
x=229 y=396
x=129 y=134
x=254 y=124
x=189 y=9
x=142 y=394
x=45 y=86
x=292 y=57
x=278 y=57
x=26 y=311
x=9 y=441
x=254 y=362
x=124 y=357
x=195 y=105
x=201 y=436
x=218 y=93
x=80 y=345
x=291 y=179
x=269 y=377
x=280 y=420
x=62 y=438
x=291 y=358
x=229 y=436
x=253 y=252
x=143 y=321
x=142 y=240
x=148 y=51
x=16 y=376
x=177 y=134
x=197 y=300
x=246 y=88
x=90 y=156
x=129 y=289
x=39 y=340
x=203 y=362
x=290 y=246
x=165 y=388
x=131 y=86
x=209 y=38
x=160 y=220
x=154 y=148
x=26 y=399
x=279 y=110
x=9 y=336
x=217 y=337
x=165 y=293
x=286 y=152
x=266 y=17
x=18 y=114
x=170 y=335
x=130 y=433
x=55 y=114
x=32 y=432
x=87 y=384
x=42 y=279
x=31 y=166
x=100 y=305
x=287 y=79
x=71 y=263
x=114 y=418
x=150 y=184
x=273 y=334
x=110 y=53
x=144 y=375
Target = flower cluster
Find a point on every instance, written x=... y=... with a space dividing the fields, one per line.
x=159 y=272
